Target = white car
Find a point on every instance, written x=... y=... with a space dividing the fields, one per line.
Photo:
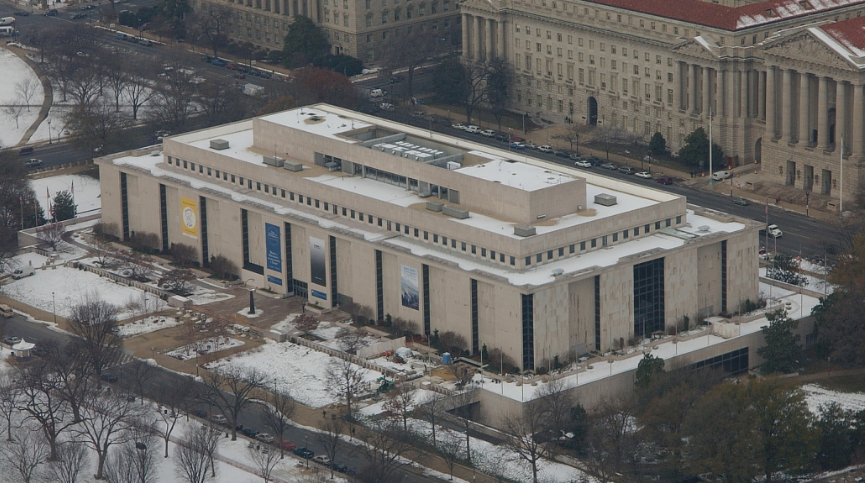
x=488 y=133
x=583 y=164
x=644 y=175
x=472 y=129
x=774 y=231
x=459 y=125
x=546 y=148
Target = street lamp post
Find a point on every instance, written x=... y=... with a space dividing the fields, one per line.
x=251 y=297
x=509 y=139
x=53 y=308
x=807 y=202
x=49 y=131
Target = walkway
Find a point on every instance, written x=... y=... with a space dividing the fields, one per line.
x=47 y=101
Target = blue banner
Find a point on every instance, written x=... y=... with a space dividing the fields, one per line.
x=321 y=295
x=275 y=280
x=274 y=249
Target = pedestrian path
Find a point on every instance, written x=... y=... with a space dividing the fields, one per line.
x=47 y=101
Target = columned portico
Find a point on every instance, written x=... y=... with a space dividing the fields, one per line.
x=803 y=109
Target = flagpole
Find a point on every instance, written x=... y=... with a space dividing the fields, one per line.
x=21 y=203
x=841 y=158
x=710 y=146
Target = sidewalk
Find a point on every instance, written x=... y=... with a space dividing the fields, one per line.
x=47 y=101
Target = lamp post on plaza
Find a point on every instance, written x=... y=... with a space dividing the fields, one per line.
x=251 y=297
x=49 y=131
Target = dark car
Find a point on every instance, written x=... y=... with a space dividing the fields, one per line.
x=254 y=72
x=265 y=75
x=51 y=13
x=110 y=378
x=251 y=432
x=22 y=13
x=239 y=75
x=219 y=62
x=79 y=15
x=627 y=170
x=594 y=160
x=201 y=413
x=517 y=139
x=304 y=452
x=206 y=58
x=664 y=180
x=241 y=68
x=120 y=36
x=25 y=151
x=740 y=201
x=231 y=66
x=501 y=137
x=562 y=154
x=341 y=467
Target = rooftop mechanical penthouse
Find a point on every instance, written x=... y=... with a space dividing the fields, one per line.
x=511 y=252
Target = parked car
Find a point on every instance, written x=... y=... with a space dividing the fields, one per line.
x=145 y=42
x=25 y=271
x=459 y=125
x=251 y=432
x=286 y=445
x=341 y=467
x=322 y=459
x=109 y=378
x=719 y=175
x=21 y=13
x=33 y=163
x=200 y=413
x=51 y=13
x=265 y=437
x=79 y=15
x=594 y=160
x=627 y=170
x=488 y=133
x=609 y=166
x=231 y=66
x=472 y=129
x=503 y=137
x=575 y=157
x=517 y=145
x=239 y=75
x=562 y=154
x=304 y=452
x=161 y=134
x=740 y=202
x=546 y=148
x=531 y=145
x=12 y=340
x=664 y=180
x=583 y=164
x=774 y=231
x=517 y=139
x=120 y=36
x=25 y=151
x=219 y=419
x=644 y=175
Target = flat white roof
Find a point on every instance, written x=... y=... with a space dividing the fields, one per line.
x=514 y=174
x=317 y=121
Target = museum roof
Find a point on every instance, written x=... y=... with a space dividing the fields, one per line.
x=850 y=33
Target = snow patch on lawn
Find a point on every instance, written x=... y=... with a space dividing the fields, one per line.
x=147 y=325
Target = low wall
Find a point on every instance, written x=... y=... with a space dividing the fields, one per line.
x=27 y=237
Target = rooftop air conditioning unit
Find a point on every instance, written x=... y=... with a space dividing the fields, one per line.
x=605 y=200
x=703 y=228
x=434 y=206
x=293 y=166
x=218 y=144
x=524 y=230
x=457 y=213
x=274 y=161
x=558 y=272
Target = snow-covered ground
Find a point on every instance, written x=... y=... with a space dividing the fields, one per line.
x=61 y=288
x=816 y=396
x=15 y=74
x=293 y=369
x=86 y=193
x=147 y=325
x=206 y=346
x=815 y=284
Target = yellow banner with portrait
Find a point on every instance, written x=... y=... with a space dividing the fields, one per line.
x=189 y=217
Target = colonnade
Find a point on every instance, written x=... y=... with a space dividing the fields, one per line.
x=289 y=8
x=483 y=38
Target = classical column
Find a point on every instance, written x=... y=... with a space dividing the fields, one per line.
x=707 y=90
x=804 y=128
x=500 y=44
x=823 y=114
x=692 y=89
x=465 y=31
x=787 y=107
x=769 y=111
x=488 y=40
x=858 y=121
x=761 y=96
x=678 y=98
x=742 y=88
x=841 y=114
x=477 y=49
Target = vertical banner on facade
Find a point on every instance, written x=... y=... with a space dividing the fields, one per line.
x=189 y=217
x=409 y=282
x=272 y=243
x=317 y=261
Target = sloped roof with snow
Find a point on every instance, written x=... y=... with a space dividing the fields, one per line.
x=850 y=33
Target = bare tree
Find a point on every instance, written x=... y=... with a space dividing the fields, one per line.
x=429 y=409
x=278 y=411
x=523 y=435
x=347 y=379
x=461 y=406
x=555 y=401
x=26 y=89
x=26 y=453
x=171 y=102
x=43 y=403
x=330 y=437
x=94 y=322
x=136 y=263
x=97 y=127
x=73 y=372
x=387 y=448
x=571 y=135
x=177 y=281
x=221 y=102
x=305 y=323
x=116 y=69
x=135 y=461
x=214 y=21
x=265 y=461
x=231 y=389
x=71 y=459
x=51 y=234
x=608 y=135
x=137 y=374
x=139 y=87
x=608 y=442
x=85 y=83
x=14 y=111
x=10 y=397
x=400 y=404
x=411 y=51
x=171 y=406
x=106 y=421
x=351 y=340
x=194 y=454
x=450 y=448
